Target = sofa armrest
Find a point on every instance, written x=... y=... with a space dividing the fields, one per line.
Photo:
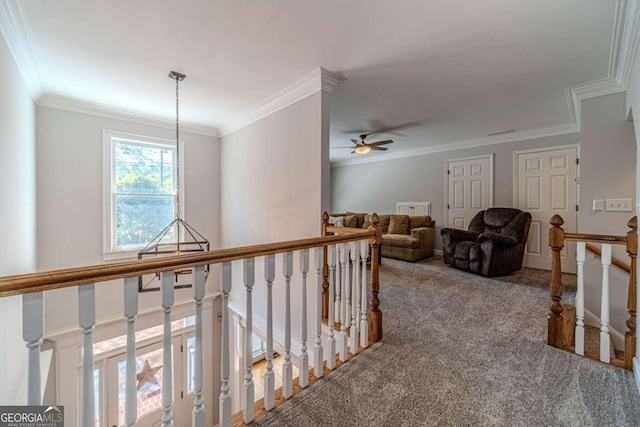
x=426 y=237
x=458 y=235
x=498 y=239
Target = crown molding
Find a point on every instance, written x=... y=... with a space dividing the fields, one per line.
x=575 y=94
x=624 y=44
x=16 y=31
x=99 y=110
x=471 y=143
x=630 y=36
x=318 y=80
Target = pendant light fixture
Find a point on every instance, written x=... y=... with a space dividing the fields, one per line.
x=177 y=237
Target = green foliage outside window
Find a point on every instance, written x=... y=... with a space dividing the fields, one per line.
x=144 y=187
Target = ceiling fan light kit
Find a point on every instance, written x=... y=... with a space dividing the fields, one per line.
x=362 y=149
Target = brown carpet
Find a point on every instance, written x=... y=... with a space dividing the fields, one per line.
x=464 y=350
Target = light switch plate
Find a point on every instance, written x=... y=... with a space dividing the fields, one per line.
x=598 y=205
x=618 y=205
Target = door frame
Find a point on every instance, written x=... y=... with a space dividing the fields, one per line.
x=516 y=153
x=489 y=156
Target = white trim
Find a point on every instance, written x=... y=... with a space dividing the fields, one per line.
x=514 y=200
x=628 y=41
x=489 y=156
x=108 y=214
x=437 y=252
x=16 y=31
x=591 y=319
x=565 y=129
x=316 y=81
x=122 y=114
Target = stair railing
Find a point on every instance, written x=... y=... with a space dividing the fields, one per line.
x=565 y=327
x=33 y=286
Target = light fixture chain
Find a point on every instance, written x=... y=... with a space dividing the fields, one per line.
x=177 y=150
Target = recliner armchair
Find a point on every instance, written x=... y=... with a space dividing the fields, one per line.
x=493 y=245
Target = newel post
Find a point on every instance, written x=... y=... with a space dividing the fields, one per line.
x=325 y=270
x=630 y=336
x=375 y=315
x=555 y=336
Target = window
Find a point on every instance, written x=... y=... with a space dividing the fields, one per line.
x=140 y=191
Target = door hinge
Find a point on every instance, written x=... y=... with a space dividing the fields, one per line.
x=577 y=161
x=448 y=172
x=448 y=207
x=577 y=208
x=181 y=349
x=182 y=395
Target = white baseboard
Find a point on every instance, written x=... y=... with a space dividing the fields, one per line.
x=591 y=319
x=437 y=252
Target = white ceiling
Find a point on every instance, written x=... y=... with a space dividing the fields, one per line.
x=461 y=68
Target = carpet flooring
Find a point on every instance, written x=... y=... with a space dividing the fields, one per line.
x=464 y=350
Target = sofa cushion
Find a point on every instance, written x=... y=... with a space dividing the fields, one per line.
x=416 y=221
x=359 y=218
x=336 y=221
x=384 y=223
x=350 y=221
x=367 y=221
x=400 y=241
x=470 y=251
x=399 y=224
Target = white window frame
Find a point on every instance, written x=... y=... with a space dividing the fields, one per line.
x=109 y=251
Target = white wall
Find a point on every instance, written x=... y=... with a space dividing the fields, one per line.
x=607 y=170
x=376 y=187
x=69 y=195
x=272 y=190
x=17 y=214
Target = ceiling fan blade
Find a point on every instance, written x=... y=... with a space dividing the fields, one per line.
x=379 y=148
x=355 y=141
x=340 y=147
x=375 y=144
x=396 y=127
x=353 y=152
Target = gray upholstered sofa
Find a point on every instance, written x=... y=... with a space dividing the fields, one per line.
x=404 y=237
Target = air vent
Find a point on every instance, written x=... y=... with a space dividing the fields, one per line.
x=502 y=132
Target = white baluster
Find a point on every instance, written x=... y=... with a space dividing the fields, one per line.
x=348 y=276
x=87 y=321
x=331 y=342
x=287 y=369
x=338 y=284
x=318 y=357
x=364 y=300
x=269 y=379
x=32 y=327
x=225 y=393
x=580 y=257
x=168 y=297
x=199 y=275
x=605 y=340
x=303 y=376
x=355 y=303
x=248 y=395
x=342 y=336
x=130 y=313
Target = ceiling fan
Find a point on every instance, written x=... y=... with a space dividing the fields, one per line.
x=361 y=147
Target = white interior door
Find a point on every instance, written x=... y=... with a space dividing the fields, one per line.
x=469 y=189
x=150 y=387
x=547 y=185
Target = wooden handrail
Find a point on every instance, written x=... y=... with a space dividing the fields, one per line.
x=596 y=238
x=57 y=279
x=615 y=261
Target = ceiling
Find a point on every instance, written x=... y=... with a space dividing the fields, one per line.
x=457 y=69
